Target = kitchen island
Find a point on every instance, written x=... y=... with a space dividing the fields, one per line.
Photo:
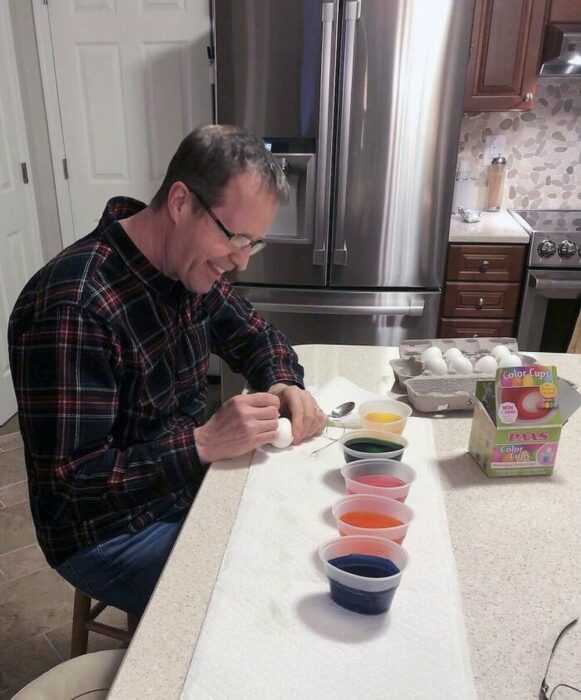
x=515 y=542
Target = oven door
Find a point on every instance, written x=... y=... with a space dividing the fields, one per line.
x=549 y=311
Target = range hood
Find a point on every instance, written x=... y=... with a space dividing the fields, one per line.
x=562 y=50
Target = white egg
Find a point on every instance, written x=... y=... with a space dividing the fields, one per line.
x=462 y=365
x=284 y=434
x=451 y=353
x=500 y=351
x=510 y=361
x=486 y=364
x=436 y=365
x=432 y=351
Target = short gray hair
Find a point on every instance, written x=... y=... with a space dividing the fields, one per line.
x=210 y=156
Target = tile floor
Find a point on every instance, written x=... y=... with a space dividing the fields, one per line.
x=36 y=604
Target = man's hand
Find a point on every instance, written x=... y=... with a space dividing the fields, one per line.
x=242 y=424
x=299 y=405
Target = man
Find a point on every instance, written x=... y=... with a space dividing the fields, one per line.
x=109 y=351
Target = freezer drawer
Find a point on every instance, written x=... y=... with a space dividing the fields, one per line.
x=347 y=317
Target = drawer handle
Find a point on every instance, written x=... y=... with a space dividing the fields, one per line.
x=484 y=265
x=480 y=303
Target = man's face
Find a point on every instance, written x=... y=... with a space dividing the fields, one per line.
x=199 y=251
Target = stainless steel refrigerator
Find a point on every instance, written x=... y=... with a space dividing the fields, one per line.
x=362 y=103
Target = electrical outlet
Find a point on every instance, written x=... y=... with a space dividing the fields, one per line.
x=494 y=145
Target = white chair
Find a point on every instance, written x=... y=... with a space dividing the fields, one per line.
x=86 y=677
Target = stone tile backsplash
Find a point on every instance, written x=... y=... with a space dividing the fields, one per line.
x=543 y=148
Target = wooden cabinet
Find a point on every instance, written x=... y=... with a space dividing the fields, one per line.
x=504 y=55
x=565 y=11
x=494 y=300
x=485 y=263
x=476 y=328
x=482 y=290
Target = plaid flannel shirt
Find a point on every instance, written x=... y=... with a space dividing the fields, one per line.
x=109 y=359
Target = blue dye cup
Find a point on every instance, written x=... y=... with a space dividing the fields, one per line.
x=363 y=571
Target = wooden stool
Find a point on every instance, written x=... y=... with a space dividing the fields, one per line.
x=84 y=622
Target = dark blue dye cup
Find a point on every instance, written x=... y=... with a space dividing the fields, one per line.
x=364 y=572
x=366 y=444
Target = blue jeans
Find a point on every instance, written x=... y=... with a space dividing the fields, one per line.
x=123 y=571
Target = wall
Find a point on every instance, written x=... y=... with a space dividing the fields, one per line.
x=543 y=148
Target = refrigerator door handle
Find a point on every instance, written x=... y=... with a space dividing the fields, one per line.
x=414 y=308
x=352 y=14
x=323 y=146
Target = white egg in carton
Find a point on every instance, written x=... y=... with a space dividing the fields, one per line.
x=453 y=360
x=440 y=374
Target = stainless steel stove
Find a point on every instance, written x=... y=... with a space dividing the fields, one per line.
x=552 y=292
x=555 y=236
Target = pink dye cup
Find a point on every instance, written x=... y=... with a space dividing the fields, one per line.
x=379 y=477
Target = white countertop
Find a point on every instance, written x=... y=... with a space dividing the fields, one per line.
x=493 y=227
x=515 y=541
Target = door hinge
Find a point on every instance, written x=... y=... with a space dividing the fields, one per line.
x=45 y=2
x=24 y=169
x=65 y=169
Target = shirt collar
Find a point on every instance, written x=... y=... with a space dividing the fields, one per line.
x=117 y=209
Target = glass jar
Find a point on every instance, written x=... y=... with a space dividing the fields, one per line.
x=496 y=175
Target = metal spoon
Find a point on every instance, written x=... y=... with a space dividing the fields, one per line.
x=339 y=411
x=342 y=409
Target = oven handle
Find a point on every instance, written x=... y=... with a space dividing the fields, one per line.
x=555 y=285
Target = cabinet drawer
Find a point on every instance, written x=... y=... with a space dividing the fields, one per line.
x=462 y=299
x=485 y=263
x=476 y=328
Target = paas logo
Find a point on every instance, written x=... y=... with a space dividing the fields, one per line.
x=528 y=437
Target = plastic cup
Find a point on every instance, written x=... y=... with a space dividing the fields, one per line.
x=379 y=468
x=373 y=414
x=378 y=444
x=377 y=505
x=368 y=595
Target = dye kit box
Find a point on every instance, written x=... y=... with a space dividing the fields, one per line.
x=518 y=417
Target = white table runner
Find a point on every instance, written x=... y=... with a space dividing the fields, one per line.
x=272 y=631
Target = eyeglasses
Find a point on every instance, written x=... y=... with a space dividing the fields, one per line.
x=544 y=693
x=237 y=239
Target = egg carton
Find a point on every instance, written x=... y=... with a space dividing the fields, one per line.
x=451 y=391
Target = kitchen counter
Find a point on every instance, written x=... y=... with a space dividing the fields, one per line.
x=515 y=542
x=493 y=227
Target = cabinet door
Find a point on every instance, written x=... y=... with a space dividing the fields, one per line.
x=480 y=300
x=485 y=263
x=505 y=50
x=565 y=11
x=476 y=328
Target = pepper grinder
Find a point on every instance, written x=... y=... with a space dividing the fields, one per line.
x=496 y=175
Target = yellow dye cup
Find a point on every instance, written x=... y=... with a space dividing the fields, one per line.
x=385 y=415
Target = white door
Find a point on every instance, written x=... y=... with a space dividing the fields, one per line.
x=132 y=80
x=20 y=247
